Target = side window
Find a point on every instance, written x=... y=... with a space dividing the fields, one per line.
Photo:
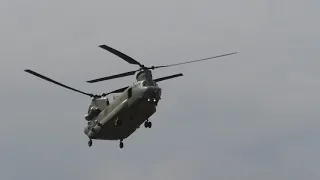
x=129 y=93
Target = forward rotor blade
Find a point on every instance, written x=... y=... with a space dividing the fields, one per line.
x=121 y=55
x=116 y=91
x=168 y=77
x=57 y=83
x=113 y=76
x=176 y=64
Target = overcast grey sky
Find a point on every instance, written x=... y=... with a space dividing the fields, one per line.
x=254 y=115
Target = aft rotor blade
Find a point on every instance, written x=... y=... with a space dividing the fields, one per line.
x=116 y=91
x=113 y=76
x=121 y=55
x=57 y=83
x=168 y=77
x=204 y=59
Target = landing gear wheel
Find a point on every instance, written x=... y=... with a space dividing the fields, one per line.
x=90 y=143
x=121 y=143
x=147 y=124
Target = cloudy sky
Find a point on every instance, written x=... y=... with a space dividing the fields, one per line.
x=254 y=115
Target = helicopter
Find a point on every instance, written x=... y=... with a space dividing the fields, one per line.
x=132 y=107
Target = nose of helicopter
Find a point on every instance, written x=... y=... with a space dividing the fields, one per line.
x=152 y=93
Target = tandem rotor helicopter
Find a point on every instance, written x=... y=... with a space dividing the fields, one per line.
x=133 y=106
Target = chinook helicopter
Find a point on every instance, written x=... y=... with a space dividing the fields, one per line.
x=134 y=105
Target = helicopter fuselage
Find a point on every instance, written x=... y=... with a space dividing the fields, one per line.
x=126 y=113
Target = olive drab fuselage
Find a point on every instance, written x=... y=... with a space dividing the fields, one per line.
x=120 y=118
